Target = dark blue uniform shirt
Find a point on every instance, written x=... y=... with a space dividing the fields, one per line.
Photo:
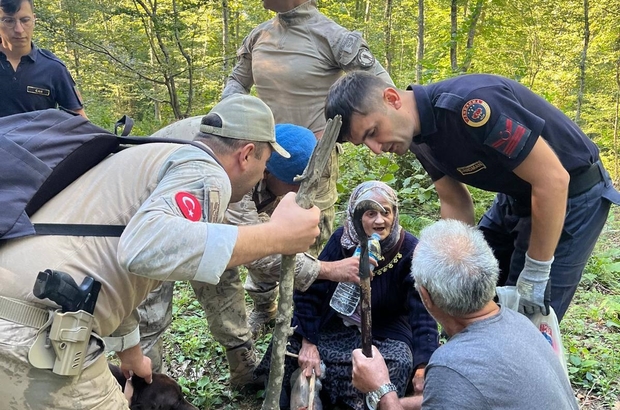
x=41 y=81
x=478 y=128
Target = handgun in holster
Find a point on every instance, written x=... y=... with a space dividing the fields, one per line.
x=71 y=326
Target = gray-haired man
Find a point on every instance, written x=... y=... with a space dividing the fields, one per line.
x=494 y=358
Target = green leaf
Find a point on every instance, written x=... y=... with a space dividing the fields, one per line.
x=203 y=382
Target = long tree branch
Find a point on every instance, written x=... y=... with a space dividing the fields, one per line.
x=283 y=330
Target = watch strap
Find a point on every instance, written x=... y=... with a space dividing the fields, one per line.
x=373 y=397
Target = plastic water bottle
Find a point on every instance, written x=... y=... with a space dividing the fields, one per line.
x=346 y=297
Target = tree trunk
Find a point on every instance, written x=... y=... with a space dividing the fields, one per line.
x=582 y=62
x=225 y=36
x=282 y=330
x=471 y=34
x=366 y=17
x=237 y=37
x=188 y=61
x=156 y=103
x=616 y=131
x=359 y=7
x=420 y=48
x=453 y=36
x=388 y=36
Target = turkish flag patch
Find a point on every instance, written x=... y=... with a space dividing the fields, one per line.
x=508 y=136
x=189 y=206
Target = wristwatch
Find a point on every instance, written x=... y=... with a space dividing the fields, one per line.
x=373 y=397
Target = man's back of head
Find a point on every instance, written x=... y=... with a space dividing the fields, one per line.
x=454 y=263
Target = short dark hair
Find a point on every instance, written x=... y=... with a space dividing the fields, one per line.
x=223 y=145
x=13 y=6
x=352 y=94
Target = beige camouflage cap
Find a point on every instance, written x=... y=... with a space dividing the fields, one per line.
x=245 y=117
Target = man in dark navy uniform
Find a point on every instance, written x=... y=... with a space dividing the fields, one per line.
x=30 y=78
x=495 y=134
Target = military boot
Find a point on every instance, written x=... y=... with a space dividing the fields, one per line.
x=261 y=315
x=242 y=361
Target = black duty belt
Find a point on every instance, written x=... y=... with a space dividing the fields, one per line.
x=586 y=179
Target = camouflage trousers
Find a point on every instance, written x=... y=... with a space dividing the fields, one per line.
x=23 y=386
x=223 y=304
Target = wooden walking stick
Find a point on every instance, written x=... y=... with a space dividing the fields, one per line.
x=311 y=391
x=361 y=206
x=305 y=199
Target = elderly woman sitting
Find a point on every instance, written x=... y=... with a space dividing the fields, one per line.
x=402 y=329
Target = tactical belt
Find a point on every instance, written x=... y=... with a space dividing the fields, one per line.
x=22 y=313
x=586 y=179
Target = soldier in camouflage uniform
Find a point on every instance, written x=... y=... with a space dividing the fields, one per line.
x=224 y=303
x=172 y=205
x=292 y=60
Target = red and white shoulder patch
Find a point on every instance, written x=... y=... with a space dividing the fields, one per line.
x=508 y=136
x=189 y=206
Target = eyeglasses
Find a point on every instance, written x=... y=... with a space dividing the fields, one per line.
x=10 y=22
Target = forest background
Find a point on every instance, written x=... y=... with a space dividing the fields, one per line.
x=162 y=60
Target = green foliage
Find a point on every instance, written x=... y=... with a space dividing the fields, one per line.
x=161 y=61
x=591 y=327
x=603 y=270
x=416 y=195
x=591 y=331
x=194 y=358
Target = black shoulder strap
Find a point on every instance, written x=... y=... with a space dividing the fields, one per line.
x=109 y=230
x=79 y=230
x=126 y=122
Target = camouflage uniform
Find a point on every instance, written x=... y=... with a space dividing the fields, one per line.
x=292 y=60
x=263 y=274
x=144 y=200
x=224 y=303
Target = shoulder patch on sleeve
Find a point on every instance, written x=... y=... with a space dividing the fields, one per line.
x=365 y=58
x=476 y=112
x=214 y=206
x=349 y=42
x=189 y=206
x=508 y=136
x=348 y=48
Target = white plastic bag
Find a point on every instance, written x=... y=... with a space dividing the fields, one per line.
x=550 y=328
x=300 y=391
x=548 y=325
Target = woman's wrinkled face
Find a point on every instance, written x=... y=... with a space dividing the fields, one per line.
x=379 y=222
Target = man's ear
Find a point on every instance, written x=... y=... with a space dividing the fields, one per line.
x=426 y=297
x=244 y=154
x=392 y=97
